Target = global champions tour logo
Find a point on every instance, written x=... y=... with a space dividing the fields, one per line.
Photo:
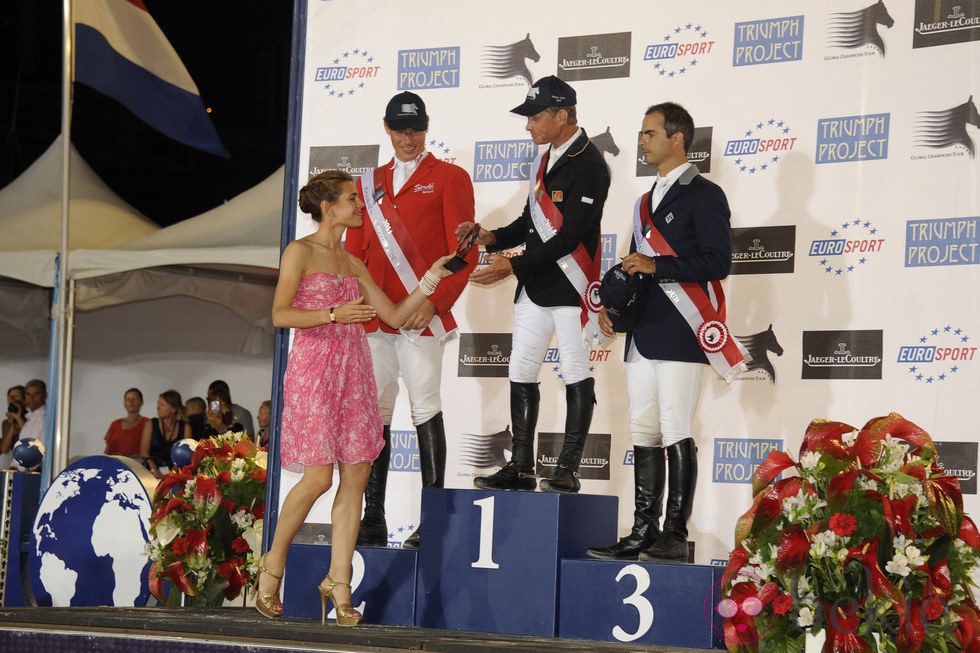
x=348 y=73
x=508 y=62
x=759 y=346
x=947 y=129
x=428 y=68
x=764 y=144
x=679 y=51
x=849 y=248
x=857 y=29
x=938 y=356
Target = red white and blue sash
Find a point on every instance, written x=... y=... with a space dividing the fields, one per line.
x=703 y=311
x=581 y=270
x=398 y=246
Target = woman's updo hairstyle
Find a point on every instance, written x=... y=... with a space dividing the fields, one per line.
x=325 y=186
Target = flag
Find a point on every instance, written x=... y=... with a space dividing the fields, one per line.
x=120 y=51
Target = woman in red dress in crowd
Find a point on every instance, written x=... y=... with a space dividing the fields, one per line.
x=123 y=436
x=330 y=399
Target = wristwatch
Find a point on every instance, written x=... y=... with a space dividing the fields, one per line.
x=333 y=318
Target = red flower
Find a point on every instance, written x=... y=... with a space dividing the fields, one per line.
x=224 y=478
x=843 y=524
x=259 y=511
x=794 y=546
x=240 y=545
x=258 y=474
x=231 y=571
x=179 y=546
x=933 y=608
x=228 y=505
x=782 y=604
x=244 y=448
x=206 y=489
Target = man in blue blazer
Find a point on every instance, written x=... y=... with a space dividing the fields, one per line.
x=681 y=234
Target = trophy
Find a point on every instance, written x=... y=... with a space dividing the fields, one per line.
x=458 y=262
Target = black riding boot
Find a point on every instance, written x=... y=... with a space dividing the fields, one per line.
x=518 y=474
x=648 y=492
x=682 y=477
x=374 y=529
x=579 y=399
x=432 y=460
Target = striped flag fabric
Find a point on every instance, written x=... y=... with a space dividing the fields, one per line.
x=121 y=51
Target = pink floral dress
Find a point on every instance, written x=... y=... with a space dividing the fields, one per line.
x=330 y=406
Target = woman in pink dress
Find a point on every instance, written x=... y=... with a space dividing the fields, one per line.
x=330 y=406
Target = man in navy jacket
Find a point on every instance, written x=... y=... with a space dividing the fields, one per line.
x=665 y=357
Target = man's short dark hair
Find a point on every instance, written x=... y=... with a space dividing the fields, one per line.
x=676 y=119
x=37 y=383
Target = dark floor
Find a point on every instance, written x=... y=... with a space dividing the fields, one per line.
x=200 y=629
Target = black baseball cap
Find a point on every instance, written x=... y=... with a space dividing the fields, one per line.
x=546 y=92
x=406 y=111
x=618 y=293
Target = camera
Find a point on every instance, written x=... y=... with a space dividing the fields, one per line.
x=13 y=408
x=215 y=405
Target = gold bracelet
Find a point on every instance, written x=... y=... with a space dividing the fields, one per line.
x=333 y=318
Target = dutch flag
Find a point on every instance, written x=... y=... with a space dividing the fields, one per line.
x=120 y=51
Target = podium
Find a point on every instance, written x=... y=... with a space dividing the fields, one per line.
x=643 y=602
x=382 y=583
x=19 y=496
x=491 y=560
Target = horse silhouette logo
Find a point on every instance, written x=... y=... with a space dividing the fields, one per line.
x=506 y=61
x=854 y=29
x=759 y=345
x=484 y=451
x=604 y=143
x=947 y=128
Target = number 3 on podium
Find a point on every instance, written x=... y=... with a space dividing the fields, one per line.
x=485 y=559
x=638 y=601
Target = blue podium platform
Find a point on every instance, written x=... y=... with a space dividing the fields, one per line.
x=490 y=560
x=642 y=602
x=19 y=494
x=382 y=583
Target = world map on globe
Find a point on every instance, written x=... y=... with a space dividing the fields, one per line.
x=90 y=534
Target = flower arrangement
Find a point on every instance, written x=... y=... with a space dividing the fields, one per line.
x=867 y=543
x=206 y=526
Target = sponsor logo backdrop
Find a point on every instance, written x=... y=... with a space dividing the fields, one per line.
x=808 y=128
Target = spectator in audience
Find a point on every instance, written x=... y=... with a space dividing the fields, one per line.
x=221 y=419
x=195 y=409
x=262 y=419
x=242 y=416
x=35 y=398
x=160 y=433
x=11 y=425
x=124 y=435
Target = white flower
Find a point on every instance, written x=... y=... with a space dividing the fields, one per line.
x=189 y=487
x=866 y=483
x=166 y=531
x=805 y=618
x=914 y=556
x=809 y=460
x=899 y=565
x=842 y=555
x=242 y=519
x=899 y=543
x=823 y=543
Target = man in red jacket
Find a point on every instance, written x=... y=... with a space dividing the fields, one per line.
x=413 y=205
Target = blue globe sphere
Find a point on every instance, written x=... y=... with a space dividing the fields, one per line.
x=182 y=452
x=29 y=452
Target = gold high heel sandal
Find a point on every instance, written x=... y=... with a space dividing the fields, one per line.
x=346 y=614
x=267 y=603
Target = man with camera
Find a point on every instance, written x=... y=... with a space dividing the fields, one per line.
x=12 y=423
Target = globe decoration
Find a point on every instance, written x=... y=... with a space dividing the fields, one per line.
x=182 y=452
x=29 y=452
x=89 y=537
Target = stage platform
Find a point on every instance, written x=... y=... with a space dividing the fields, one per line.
x=213 y=630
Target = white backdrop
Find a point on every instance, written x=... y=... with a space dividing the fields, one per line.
x=817 y=168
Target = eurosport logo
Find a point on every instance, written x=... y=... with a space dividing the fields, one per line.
x=764 y=250
x=858 y=30
x=347 y=75
x=942 y=22
x=947 y=129
x=508 y=62
x=679 y=51
x=939 y=355
x=404 y=451
x=503 y=160
x=736 y=459
x=944 y=241
x=959 y=459
x=552 y=358
x=594 y=56
x=484 y=450
x=849 y=247
x=484 y=354
x=842 y=354
x=428 y=68
x=595 y=456
x=699 y=154
x=355 y=160
x=853 y=138
x=766 y=41
x=759 y=346
x=764 y=144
